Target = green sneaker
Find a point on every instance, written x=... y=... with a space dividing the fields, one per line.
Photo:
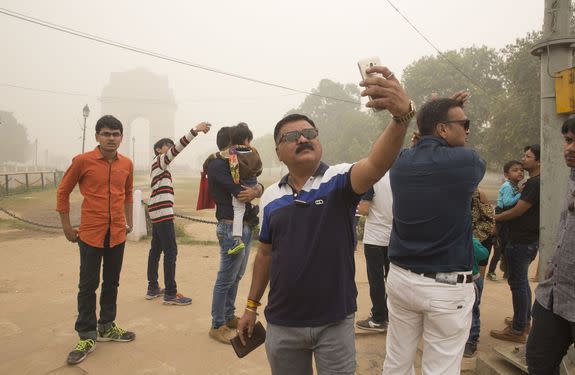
x=81 y=351
x=237 y=247
x=115 y=333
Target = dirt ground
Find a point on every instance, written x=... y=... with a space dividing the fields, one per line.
x=38 y=287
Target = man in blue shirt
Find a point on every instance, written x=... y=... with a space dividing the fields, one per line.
x=306 y=250
x=430 y=286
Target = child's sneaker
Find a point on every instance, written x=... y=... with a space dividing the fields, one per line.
x=154 y=293
x=178 y=300
x=115 y=333
x=492 y=276
x=81 y=351
x=237 y=247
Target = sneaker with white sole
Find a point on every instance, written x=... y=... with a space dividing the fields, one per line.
x=178 y=300
x=369 y=325
x=115 y=333
x=81 y=351
x=154 y=293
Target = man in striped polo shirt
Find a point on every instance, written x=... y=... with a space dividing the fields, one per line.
x=306 y=250
x=160 y=208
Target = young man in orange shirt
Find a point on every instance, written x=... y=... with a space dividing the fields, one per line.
x=105 y=178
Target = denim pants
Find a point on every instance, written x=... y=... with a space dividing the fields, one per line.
x=232 y=268
x=163 y=239
x=90 y=260
x=550 y=338
x=475 y=320
x=518 y=258
x=377 y=264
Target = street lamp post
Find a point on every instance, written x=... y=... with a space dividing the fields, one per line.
x=85 y=113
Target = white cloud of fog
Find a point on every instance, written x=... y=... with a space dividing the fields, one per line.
x=295 y=43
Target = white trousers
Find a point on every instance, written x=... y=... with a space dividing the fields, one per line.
x=239 y=211
x=421 y=307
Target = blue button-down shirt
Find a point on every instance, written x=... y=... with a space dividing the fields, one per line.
x=432 y=184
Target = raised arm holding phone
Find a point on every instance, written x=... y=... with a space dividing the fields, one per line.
x=308 y=220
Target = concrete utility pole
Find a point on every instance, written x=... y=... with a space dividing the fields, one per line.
x=556 y=52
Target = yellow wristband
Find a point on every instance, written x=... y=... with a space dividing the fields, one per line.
x=254 y=304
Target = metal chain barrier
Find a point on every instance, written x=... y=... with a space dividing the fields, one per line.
x=188 y=217
x=13 y=215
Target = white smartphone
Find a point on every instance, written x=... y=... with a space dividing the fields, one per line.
x=365 y=64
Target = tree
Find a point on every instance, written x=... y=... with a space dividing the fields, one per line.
x=437 y=74
x=345 y=130
x=516 y=117
x=14 y=145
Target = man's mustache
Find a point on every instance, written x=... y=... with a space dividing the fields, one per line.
x=303 y=146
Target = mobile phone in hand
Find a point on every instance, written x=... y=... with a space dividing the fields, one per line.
x=365 y=64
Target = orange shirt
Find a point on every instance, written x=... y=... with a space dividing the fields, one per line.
x=106 y=187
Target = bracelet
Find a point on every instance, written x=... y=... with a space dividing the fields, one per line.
x=252 y=310
x=254 y=304
x=194 y=132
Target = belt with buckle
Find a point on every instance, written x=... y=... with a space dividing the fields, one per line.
x=461 y=278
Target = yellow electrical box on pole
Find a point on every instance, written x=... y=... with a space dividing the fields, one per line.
x=565 y=91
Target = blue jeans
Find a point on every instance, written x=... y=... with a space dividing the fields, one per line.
x=232 y=268
x=475 y=321
x=518 y=258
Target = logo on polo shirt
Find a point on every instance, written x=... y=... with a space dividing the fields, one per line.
x=318 y=202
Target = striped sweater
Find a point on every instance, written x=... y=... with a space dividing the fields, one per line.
x=161 y=202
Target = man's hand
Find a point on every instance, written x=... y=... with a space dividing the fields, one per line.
x=249 y=193
x=461 y=97
x=385 y=92
x=71 y=234
x=246 y=325
x=203 y=127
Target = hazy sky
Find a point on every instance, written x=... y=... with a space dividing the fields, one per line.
x=293 y=43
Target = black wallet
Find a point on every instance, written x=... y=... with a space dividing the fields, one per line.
x=258 y=338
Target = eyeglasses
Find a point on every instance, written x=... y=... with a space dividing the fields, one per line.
x=464 y=123
x=108 y=134
x=309 y=133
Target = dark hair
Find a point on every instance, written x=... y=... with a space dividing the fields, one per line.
x=290 y=118
x=432 y=113
x=535 y=149
x=109 y=122
x=161 y=143
x=510 y=164
x=240 y=133
x=223 y=138
x=568 y=126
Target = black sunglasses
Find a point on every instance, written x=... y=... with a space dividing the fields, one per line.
x=464 y=123
x=309 y=133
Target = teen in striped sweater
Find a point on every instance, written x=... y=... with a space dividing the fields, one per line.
x=162 y=217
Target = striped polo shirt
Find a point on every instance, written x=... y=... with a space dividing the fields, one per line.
x=311 y=232
x=161 y=202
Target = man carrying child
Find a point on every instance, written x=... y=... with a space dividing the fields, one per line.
x=232 y=264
